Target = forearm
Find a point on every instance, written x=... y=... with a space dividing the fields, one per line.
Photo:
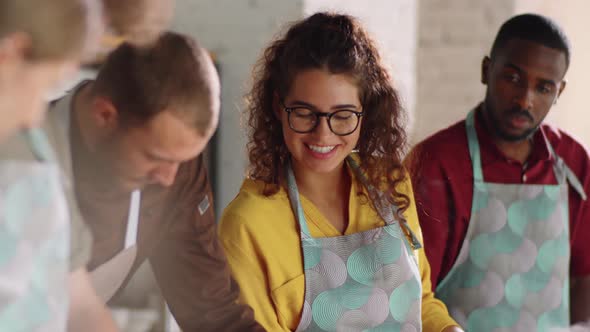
x=87 y=312
x=194 y=280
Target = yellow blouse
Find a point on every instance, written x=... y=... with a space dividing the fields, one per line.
x=261 y=240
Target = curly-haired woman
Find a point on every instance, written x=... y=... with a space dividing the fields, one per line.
x=321 y=237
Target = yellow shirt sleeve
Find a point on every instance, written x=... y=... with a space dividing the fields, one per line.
x=263 y=250
x=435 y=316
x=248 y=271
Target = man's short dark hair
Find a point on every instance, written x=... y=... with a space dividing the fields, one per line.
x=534 y=28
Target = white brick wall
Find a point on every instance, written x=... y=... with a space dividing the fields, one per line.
x=454 y=36
x=393 y=25
x=434 y=48
x=236 y=31
x=571 y=112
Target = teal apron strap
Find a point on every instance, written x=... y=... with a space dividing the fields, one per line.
x=561 y=167
x=475 y=155
x=474 y=151
x=296 y=202
x=378 y=201
x=39 y=144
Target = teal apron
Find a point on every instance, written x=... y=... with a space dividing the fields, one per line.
x=34 y=242
x=368 y=281
x=512 y=272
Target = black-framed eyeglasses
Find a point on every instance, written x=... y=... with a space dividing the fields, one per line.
x=304 y=120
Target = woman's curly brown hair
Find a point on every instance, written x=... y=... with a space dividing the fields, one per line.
x=338 y=44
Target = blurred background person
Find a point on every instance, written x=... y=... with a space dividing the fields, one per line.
x=138 y=21
x=133 y=142
x=41 y=43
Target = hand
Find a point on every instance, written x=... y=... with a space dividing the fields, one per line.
x=87 y=312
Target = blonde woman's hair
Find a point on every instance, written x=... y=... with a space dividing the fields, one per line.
x=57 y=28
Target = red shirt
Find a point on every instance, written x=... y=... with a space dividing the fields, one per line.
x=442 y=177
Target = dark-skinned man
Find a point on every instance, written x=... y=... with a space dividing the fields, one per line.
x=502 y=196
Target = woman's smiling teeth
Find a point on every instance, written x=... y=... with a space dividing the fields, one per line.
x=321 y=149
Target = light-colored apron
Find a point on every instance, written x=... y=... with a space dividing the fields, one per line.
x=34 y=241
x=57 y=127
x=368 y=281
x=108 y=277
x=512 y=272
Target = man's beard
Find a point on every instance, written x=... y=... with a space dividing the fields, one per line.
x=496 y=128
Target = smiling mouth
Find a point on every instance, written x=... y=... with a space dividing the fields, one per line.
x=321 y=149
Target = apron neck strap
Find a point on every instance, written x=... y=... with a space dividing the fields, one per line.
x=386 y=211
x=376 y=196
x=564 y=174
x=296 y=202
x=562 y=171
x=473 y=143
x=39 y=144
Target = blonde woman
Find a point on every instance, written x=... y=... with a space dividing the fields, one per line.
x=41 y=42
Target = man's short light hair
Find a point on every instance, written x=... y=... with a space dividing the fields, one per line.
x=174 y=73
